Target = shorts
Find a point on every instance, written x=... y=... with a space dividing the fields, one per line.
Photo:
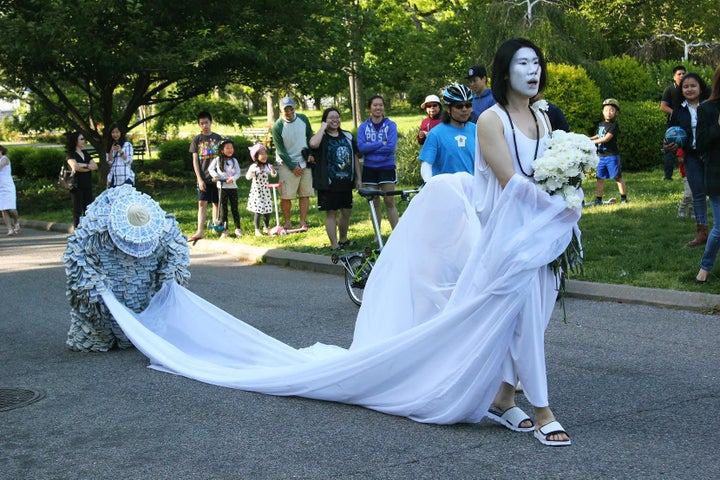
x=609 y=167
x=330 y=200
x=372 y=176
x=210 y=194
x=292 y=186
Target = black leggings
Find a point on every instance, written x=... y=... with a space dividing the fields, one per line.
x=229 y=195
x=265 y=217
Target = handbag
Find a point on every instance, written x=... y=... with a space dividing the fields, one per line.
x=66 y=179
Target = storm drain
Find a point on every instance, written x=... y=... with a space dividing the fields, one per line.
x=11 y=398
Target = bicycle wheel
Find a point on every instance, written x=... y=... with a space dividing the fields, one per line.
x=356 y=276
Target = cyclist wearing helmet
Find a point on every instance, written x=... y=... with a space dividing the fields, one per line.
x=450 y=147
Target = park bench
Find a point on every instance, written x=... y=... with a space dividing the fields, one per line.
x=139 y=151
x=256 y=133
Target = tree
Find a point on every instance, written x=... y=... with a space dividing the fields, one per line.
x=91 y=64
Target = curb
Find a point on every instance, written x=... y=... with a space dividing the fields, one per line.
x=674 y=299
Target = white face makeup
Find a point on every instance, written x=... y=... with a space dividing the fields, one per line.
x=525 y=72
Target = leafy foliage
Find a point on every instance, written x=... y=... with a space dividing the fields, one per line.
x=406 y=159
x=628 y=79
x=571 y=89
x=642 y=125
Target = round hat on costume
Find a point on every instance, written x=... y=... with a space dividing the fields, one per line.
x=255 y=149
x=431 y=99
x=136 y=222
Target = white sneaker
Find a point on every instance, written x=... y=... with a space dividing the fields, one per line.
x=224 y=234
x=238 y=233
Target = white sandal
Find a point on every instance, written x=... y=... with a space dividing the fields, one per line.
x=511 y=418
x=549 y=429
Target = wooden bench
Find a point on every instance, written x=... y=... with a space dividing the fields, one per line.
x=256 y=133
x=139 y=151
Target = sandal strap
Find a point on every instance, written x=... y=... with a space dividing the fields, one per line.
x=552 y=428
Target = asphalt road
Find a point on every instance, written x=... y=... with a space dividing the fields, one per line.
x=636 y=386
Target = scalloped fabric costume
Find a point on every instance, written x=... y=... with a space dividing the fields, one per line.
x=125 y=244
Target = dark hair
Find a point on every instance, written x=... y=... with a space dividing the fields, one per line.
x=373 y=98
x=327 y=112
x=679 y=67
x=704 y=91
x=204 y=114
x=71 y=142
x=715 y=89
x=501 y=67
x=3 y=150
x=120 y=141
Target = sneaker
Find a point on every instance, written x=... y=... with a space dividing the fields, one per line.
x=238 y=233
x=224 y=234
x=624 y=200
x=265 y=230
x=16 y=228
x=258 y=233
x=598 y=201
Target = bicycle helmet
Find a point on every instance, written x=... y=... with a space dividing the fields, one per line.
x=456 y=93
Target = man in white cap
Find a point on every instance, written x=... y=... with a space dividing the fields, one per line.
x=432 y=107
x=291 y=134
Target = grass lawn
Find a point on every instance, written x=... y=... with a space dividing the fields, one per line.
x=641 y=243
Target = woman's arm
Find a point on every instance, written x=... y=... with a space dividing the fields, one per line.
x=315 y=140
x=127 y=153
x=495 y=151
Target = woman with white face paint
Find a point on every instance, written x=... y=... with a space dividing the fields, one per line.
x=511 y=135
x=455 y=310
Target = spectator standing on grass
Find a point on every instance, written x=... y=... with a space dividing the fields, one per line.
x=204 y=149
x=119 y=157
x=450 y=147
x=259 y=200
x=671 y=100
x=8 y=195
x=694 y=90
x=607 y=148
x=291 y=133
x=82 y=165
x=336 y=171
x=708 y=143
x=432 y=107
x=483 y=99
x=377 y=140
x=225 y=170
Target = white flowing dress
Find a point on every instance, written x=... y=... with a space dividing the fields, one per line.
x=8 y=194
x=451 y=298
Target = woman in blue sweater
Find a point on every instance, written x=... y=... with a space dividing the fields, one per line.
x=377 y=139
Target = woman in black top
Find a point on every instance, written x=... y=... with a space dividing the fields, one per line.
x=82 y=165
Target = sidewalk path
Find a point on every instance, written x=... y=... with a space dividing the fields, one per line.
x=702 y=302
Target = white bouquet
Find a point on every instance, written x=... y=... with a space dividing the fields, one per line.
x=562 y=168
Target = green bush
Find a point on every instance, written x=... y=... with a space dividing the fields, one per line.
x=172 y=150
x=642 y=126
x=44 y=163
x=406 y=159
x=628 y=79
x=17 y=156
x=571 y=89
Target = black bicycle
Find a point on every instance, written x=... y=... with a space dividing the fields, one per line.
x=358 y=265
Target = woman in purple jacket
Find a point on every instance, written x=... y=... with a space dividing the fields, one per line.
x=377 y=139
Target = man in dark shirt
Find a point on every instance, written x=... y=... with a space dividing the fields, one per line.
x=672 y=98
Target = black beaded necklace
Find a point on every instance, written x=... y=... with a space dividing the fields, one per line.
x=537 y=139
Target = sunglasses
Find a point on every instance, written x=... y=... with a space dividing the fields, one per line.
x=462 y=105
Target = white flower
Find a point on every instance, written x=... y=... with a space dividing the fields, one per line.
x=562 y=168
x=541 y=105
